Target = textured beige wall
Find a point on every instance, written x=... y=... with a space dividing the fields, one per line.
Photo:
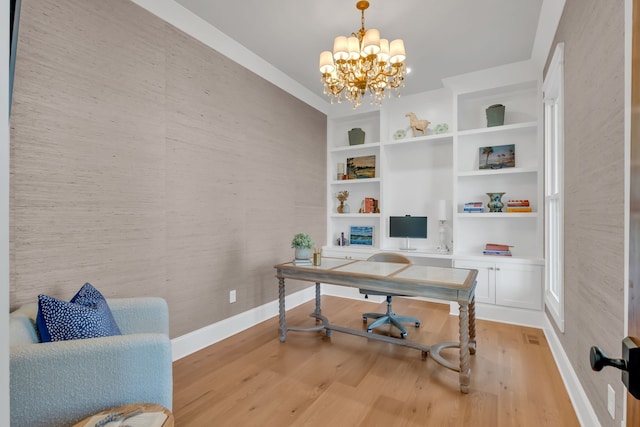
x=593 y=33
x=146 y=163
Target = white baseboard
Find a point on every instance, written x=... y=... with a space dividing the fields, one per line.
x=584 y=411
x=189 y=343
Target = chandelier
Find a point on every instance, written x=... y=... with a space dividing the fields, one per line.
x=362 y=62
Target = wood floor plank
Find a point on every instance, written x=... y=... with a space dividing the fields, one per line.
x=252 y=379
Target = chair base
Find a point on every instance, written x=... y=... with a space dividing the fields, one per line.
x=389 y=318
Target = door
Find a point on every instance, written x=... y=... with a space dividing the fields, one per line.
x=633 y=405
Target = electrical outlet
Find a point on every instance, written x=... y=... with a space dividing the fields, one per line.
x=611 y=401
x=232 y=298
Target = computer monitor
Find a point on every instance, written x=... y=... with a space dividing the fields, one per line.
x=408 y=227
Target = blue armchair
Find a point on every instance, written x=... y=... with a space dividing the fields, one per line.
x=59 y=383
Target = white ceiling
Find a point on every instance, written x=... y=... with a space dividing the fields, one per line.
x=442 y=38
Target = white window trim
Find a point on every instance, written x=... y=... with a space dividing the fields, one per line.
x=553 y=95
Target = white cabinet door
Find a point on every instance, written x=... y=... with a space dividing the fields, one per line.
x=485 y=288
x=519 y=285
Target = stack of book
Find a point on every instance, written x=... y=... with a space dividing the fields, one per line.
x=518 y=206
x=497 y=249
x=302 y=262
x=473 y=207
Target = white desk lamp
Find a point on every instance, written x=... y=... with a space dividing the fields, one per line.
x=443 y=248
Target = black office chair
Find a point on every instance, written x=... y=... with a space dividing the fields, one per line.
x=389 y=316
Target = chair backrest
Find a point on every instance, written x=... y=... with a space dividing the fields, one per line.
x=389 y=257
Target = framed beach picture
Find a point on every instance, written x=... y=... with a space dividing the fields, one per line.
x=497 y=157
x=361 y=235
x=361 y=167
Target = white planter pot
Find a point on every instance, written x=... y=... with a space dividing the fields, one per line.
x=303 y=253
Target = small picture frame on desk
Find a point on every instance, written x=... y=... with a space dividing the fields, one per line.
x=361 y=235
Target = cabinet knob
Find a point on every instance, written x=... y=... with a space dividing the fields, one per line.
x=490 y=268
x=497 y=268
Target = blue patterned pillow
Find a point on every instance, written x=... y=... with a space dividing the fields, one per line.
x=87 y=315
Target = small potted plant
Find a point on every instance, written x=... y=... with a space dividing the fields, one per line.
x=303 y=244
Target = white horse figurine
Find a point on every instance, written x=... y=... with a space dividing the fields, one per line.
x=417 y=125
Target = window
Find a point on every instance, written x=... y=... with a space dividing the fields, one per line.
x=553 y=95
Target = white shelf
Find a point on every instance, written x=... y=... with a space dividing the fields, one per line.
x=502 y=215
x=355 y=215
x=494 y=258
x=433 y=139
x=505 y=171
x=499 y=129
x=355 y=181
x=361 y=147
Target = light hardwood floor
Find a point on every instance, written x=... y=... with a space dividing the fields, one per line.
x=252 y=379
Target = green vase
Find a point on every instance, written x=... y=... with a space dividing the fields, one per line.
x=495 y=115
x=356 y=136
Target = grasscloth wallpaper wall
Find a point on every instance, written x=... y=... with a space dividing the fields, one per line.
x=593 y=33
x=147 y=163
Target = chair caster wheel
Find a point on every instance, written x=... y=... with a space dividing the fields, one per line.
x=403 y=334
x=369 y=331
x=417 y=324
x=364 y=319
x=328 y=333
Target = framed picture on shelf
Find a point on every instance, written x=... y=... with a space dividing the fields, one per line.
x=497 y=157
x=361 y=235
x=361 y=167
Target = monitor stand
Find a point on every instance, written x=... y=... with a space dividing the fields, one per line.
x=407 y=246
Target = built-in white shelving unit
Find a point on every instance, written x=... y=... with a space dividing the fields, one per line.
x=414 y=173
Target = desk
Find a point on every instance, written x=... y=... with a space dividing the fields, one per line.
x=451 y=284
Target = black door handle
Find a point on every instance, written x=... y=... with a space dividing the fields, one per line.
x=599 y=360
x=629 y=364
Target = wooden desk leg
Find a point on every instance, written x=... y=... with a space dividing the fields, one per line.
x=465 y=369
x=283 y=325
x=472 y=326
x=318 y=311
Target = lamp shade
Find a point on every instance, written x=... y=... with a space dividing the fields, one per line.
x=354 y=48
x=326 y=62
x=397 y=52
x=443 y=213
x=383 y=55
x=340 y=48
x=371 y=42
